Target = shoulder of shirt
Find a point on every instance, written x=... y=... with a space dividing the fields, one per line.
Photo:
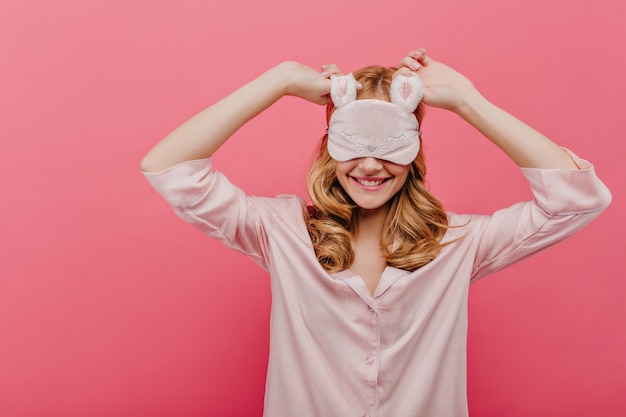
x=283 y=205
x=463 y=225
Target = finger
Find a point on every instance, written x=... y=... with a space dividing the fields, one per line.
x=410 y=63
x=404 y=71
x=421 y=57
x=323 y=100
x=329 y=70
x=417 y=53
x=425 y=60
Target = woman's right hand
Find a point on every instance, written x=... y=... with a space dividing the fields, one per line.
x=204 y=133
x=307 y=83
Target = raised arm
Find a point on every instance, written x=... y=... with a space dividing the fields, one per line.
x=446 y=88
x=204 y=133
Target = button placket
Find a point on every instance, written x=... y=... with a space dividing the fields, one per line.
x=370 y=359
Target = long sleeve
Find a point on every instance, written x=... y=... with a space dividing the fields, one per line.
x=206 y=199
x=564 y=202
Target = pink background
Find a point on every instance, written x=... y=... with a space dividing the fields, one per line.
x=111 y=306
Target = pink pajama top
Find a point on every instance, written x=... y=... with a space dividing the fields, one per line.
x=336 y=350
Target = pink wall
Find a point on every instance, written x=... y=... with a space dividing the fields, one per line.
x=111 y=306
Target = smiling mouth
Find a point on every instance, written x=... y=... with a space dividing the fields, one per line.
x=372 y=182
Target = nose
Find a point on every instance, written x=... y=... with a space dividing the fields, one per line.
x=370 y=164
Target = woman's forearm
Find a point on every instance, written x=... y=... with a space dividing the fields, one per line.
x=204 y=133
x=523 y=144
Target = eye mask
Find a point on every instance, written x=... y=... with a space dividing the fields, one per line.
x=375 y=128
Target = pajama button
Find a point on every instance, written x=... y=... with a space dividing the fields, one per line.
x=369 y=361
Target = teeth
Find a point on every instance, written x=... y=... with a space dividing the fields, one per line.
x=370 y=183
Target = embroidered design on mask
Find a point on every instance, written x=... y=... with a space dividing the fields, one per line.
x=377 y=128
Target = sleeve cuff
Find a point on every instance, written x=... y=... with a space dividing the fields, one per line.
x=568 y=191
x=179 y=183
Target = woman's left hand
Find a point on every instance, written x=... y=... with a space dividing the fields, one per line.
x=448 y=89
x=443 y=86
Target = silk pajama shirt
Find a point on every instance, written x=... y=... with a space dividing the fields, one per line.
x=335 y=349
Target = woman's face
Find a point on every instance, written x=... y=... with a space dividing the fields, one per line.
x=371 y=182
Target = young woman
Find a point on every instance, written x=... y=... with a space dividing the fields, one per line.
x=370 y=281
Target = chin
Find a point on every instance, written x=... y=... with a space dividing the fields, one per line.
x=370 y=205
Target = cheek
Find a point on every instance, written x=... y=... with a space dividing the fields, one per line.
x=399 y=171
x=343 y=168
x=404 y=175
x=341 y=174
x=401 y=177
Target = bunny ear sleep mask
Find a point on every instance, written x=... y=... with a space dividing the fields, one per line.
x=375 y=128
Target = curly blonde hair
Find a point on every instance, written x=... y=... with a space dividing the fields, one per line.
x=415 y=223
